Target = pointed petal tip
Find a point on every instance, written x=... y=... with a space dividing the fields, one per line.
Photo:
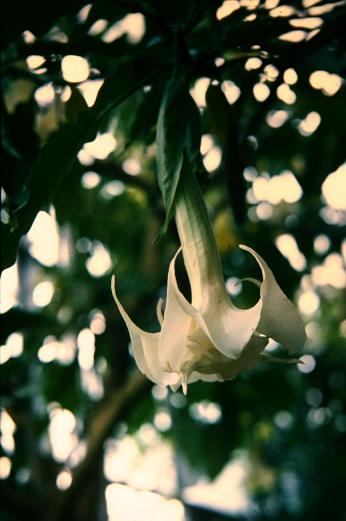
x=113 y=284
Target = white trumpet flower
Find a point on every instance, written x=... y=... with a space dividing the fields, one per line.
x=210 y=338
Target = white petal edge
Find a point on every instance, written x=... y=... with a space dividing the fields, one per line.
x=280 y=319
x=145 y=347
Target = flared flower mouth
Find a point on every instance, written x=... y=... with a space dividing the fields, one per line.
x=210 y=338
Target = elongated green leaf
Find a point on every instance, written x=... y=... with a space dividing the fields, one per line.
x=218 y=113
x=178 y=130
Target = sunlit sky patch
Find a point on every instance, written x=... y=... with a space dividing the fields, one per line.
x=288 y=246
x=13 y=347
x=261 y=91
x=62 y=433
x=45 y=95
x=334 y=188
x=228 y=491
x=90 y=90
x=124 y=503
x=293 y=36
x=132 y=25
x=43 y=238
x=75 y=69
x=286 y=94
x=5 y=467
x=276 y=118
x=309 y=124
x=212 y=159
x=9 y=284
x=35 y=61
x=282 y=11
x=101 y=146
x=231 y=91
x=281 y=187
x=227 y=8
x=7 y=430
x=328 y=83
x=100 y=262
x=199 y=90
x=43 y=293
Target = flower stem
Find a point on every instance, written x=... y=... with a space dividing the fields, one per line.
x=200 y=253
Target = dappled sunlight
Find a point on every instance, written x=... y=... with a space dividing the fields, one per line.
x=231 y=91
x=328 y=83
x=90 y=90
x=110 y=190
x=288 y=246
x=307 y=365
x=227 y=8
x=7 y=430
x=270 y=73
x=9 y=284
x=278 y=188
x=62 y=432
x=293 y=36
x=124 y=503
x=98 y=27
x=227 y=493
x=100 y=262
x=132 y=25
x=64 y=479
x=199 y=90
x=286 y=94
x=306 y=23
x=13 y=348
x=261 y=91
x=277 y=118
x=331 y=272
x=321 y=244
x=34 y=62
x=282 y=11
x=45 y=95
x=309 y=124
x=43 y=239
x=97 y=322
x=334 y=188
x=290 y=76
x=101 y=147
x=92 y=383
x=206 y=412
x=253 y=63
x=43 y=293
x=63 y=351
x=212 y=159
x=90 y=180
x=309 y=302
x=86 y=349
x=144 y=461
x=318 y=10
x=75 y=69
x=5 y=467
x=131 y=166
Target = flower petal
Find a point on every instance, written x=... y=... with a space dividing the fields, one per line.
x=176 y=325
x=228 y=327
x=279 y=317
x=145 y=348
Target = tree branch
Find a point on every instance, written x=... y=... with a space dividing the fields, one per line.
x=111 y=411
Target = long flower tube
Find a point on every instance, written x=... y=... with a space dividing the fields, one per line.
x=210 y=338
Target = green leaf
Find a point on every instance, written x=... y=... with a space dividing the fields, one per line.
x=218 y=112
x=178 y=130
